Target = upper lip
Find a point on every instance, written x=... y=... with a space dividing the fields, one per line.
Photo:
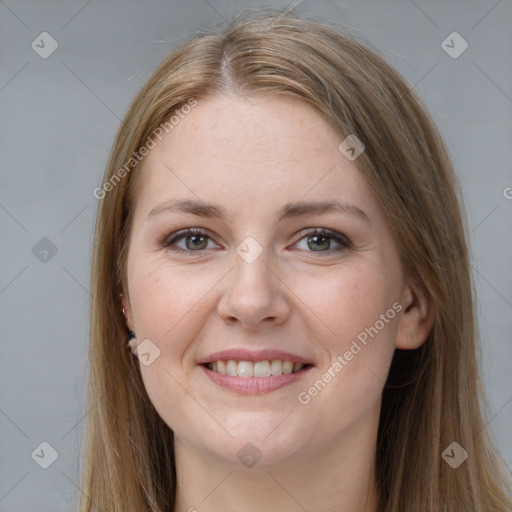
x=253 y=355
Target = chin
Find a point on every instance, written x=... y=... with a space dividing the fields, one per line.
x=260 y=439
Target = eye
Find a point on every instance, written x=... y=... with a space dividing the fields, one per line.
x=320 y=238
x=196 y=240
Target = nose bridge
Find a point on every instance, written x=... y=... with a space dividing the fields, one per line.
x=253 y=293
x=251 y=277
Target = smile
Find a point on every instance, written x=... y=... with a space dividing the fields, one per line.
x=257 y=369
x=253 y=378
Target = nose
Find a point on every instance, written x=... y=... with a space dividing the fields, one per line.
x=255 y=295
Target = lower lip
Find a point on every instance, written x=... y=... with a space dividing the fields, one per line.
x=254 y=385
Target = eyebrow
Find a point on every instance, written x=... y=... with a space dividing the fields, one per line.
x=288 y=211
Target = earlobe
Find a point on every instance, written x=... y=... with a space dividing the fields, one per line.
x=127 y=311
x=417 y=318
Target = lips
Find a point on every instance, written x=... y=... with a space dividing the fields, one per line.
x=254 y=372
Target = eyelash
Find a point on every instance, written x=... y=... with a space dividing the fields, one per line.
x=185 y=233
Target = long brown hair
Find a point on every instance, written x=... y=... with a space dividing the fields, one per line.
x=433 y=396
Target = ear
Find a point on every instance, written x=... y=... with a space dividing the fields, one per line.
x=417 y=318
x=125 y=303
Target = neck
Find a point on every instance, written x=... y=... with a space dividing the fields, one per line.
x=338 y=476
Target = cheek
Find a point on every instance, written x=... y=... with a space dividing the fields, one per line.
x=356 y=324
x=348 y=301
x=164 y=297
x=166 y=301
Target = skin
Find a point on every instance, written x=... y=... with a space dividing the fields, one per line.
x=251 y=156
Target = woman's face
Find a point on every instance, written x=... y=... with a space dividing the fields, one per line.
x=257 y=279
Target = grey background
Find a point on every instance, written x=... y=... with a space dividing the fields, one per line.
x=58 y=118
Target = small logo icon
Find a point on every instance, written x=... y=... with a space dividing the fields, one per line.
x=249 y=249
x=454 y=455
x=44 y=455
x=454 y=45
x=44 y=250
x=44 y=45
x=249 y=455
x=351 y=147
x=146 y=351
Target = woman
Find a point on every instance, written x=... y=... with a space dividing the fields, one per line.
x=280 y=232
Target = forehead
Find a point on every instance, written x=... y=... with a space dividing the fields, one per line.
x=258 y=152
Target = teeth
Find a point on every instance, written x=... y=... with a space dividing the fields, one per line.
x=276 y=367
x=231 y=368
x=287 y=367
x=257 y=369
x=221 y=367
x=262 y=369
x=245 y=369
